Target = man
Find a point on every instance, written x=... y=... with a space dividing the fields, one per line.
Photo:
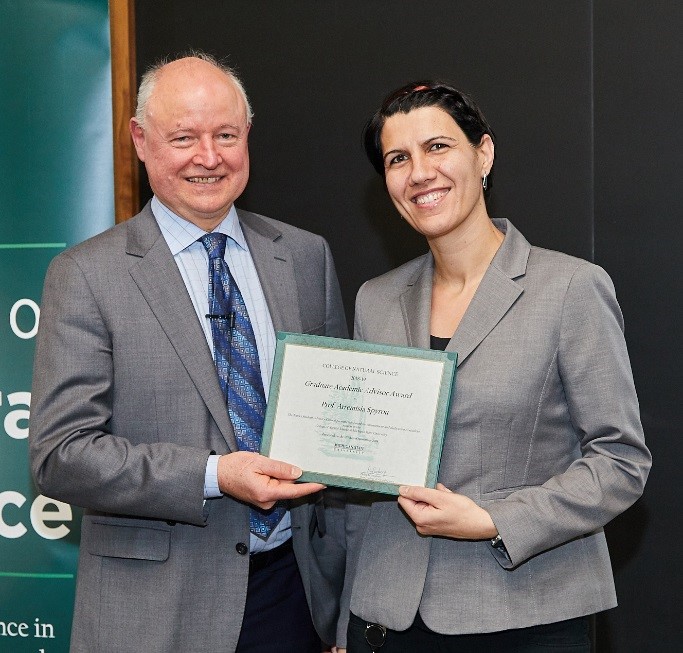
x=182 y=548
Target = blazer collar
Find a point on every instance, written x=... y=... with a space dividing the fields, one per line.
x=157 y=276
x=416 y=304
x=497 y=292
x=275 y=268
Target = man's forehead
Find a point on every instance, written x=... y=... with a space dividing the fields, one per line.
x=193 y=88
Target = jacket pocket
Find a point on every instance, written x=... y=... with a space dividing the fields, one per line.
x=126 y=539
x=502 y=493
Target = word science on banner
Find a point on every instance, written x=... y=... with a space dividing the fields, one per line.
x=56 y=189
x=38 y=535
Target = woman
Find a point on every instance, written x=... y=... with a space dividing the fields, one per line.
x=544 y=443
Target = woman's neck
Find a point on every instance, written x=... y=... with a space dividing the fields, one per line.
x=462 y=256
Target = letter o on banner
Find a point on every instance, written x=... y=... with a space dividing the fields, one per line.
x=24 y=335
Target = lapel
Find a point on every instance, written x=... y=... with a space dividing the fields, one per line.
x=157 y=276
x=416 y=303
x=275 y=269
x=497 y=292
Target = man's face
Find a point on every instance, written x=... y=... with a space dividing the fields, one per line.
x=194 y=141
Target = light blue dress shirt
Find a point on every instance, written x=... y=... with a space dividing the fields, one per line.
x=193 y=264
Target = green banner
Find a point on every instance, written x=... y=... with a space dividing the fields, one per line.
x=56 y=189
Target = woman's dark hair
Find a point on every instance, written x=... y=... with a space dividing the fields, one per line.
x=416 y=95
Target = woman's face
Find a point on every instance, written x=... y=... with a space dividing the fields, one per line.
x=432 y=172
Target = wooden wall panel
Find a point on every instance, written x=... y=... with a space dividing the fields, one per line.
x=124 y=86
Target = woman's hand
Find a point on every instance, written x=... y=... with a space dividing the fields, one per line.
x=445 y=513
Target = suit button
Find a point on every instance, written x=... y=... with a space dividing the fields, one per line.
x=242 y=548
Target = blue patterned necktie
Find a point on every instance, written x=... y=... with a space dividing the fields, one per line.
x=237 y=364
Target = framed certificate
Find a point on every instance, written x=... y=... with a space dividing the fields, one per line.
x=356 y=414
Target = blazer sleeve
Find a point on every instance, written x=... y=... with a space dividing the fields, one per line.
x=601 y=398
x=76 y=453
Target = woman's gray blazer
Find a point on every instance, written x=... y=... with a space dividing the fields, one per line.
x=544 y=433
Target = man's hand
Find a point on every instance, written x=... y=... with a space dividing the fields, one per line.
x=260 y=481
x=445 y=513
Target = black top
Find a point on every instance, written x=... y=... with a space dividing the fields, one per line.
x=438 y=343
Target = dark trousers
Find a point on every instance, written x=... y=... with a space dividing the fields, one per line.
x=276 y=615
x=570 y=636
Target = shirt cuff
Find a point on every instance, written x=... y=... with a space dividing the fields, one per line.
x=211 y=489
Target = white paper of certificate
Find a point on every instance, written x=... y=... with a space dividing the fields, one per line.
x=371 y=419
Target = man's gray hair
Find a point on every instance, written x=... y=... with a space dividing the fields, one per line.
x=151 y=75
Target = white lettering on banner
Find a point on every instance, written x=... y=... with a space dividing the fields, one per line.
x=12 y=419
x=11 y=532
x=41 y=630
x=24 y=335
x=39 y=516
x=13 y=629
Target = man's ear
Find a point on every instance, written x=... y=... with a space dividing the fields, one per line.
x=138 y=135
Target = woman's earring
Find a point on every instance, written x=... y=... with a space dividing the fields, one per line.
x=485 y=182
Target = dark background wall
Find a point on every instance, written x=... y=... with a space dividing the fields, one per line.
x=638 y=68
x=583 y=97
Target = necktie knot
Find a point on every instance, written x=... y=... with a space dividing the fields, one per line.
x=214 y=243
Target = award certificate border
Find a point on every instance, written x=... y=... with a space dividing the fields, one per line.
x=448 y=361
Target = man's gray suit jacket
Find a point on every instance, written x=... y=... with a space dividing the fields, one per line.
x=126 y=409
x=544 y=433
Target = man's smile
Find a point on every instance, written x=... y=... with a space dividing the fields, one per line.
x=204 y=180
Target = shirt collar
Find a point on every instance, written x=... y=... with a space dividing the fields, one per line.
x=180 y=233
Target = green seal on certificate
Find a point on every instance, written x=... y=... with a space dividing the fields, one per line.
x=356 y=414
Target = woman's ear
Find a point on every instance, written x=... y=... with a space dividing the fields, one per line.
x=486 y=150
